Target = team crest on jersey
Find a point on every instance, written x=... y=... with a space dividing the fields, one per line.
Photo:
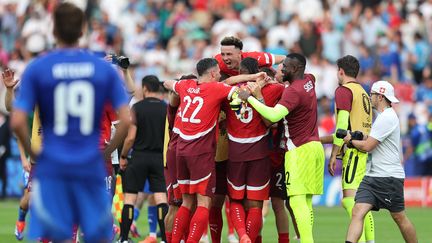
x=308 y=86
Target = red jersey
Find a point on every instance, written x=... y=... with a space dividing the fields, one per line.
x=199 y=111
x=171 y=117
x=109 y=117
x=301 y=124
x=264 y=60
x=248 y=133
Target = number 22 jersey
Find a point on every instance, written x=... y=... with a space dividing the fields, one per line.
x=199 y=110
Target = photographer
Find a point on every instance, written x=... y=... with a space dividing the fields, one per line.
x=382 y=186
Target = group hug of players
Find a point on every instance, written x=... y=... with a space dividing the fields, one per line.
x=244 y=130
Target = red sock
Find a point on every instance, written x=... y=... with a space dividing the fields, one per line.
x=229 y=221
x=258 y=239
x=198 y=224
x=238 y=218
x=216 y=224
x=254 y=223
x=181 y=221
x=186 y=232
x=283 y=238
x=168 y=236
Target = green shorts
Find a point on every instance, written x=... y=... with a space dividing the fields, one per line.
x=353 y=168
x=304 y=169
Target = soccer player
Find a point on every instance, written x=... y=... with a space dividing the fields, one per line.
x=36 y=137
x=304 y=159
x=231 y=55
x=70 y=86
x=200 y=102
x=353 y=112
x=278 y=193
x=248 y=170
x=146 y=138
x=383 y=184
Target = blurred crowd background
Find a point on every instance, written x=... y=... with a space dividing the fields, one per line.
x=166 y=38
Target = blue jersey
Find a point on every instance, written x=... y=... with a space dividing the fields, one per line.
x=70 y=86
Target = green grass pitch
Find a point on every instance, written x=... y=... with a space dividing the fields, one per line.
x=330 y=225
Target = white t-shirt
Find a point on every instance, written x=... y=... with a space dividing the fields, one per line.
x=385 y=160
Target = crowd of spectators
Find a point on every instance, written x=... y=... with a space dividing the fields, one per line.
x=166 y=38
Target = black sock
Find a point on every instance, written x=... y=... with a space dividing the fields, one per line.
x=348 y=242
x=162 y=210
x=127 y=218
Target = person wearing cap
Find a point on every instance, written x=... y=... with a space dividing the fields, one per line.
x=353 y=111
x=383 y=184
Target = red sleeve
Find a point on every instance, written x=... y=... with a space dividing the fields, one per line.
x=264 y=59
x=111 y=114
x=310 y=77
x=272 y=94
x=343 y=98
x=290 y=98
x=177 y=86
x=224 y=90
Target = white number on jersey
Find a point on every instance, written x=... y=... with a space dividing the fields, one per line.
x=247 y=115
x=189 y=101
x=77 y=100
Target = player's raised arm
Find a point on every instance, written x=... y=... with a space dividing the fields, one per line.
x=244 y=78
x=10 y=84
x=278 y=59
x=169 y=84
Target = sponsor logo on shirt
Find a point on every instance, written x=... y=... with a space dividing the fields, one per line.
x=308 y=86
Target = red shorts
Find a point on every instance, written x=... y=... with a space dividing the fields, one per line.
x=196 y=174
x=173 y=190
x=250 y=179
x=221 y=178
x=277 y=182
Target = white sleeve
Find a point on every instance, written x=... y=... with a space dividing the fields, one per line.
x=383 y=127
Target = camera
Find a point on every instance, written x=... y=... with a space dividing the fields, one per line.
x=356 y=135
x=121 y=61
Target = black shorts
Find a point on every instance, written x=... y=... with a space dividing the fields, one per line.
x=221 y=178
x=382 y=192
x=143 y=166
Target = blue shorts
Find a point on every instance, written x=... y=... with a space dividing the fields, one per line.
x=59 y=203
x=147 y=187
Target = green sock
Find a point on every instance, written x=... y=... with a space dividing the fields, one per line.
x=302 y=215
x=348 y=204
x=369 y=228
x=309 y=204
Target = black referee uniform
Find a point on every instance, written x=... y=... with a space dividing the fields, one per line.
x=147 y=152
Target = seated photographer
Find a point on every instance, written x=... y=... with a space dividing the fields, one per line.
x=383 y=184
